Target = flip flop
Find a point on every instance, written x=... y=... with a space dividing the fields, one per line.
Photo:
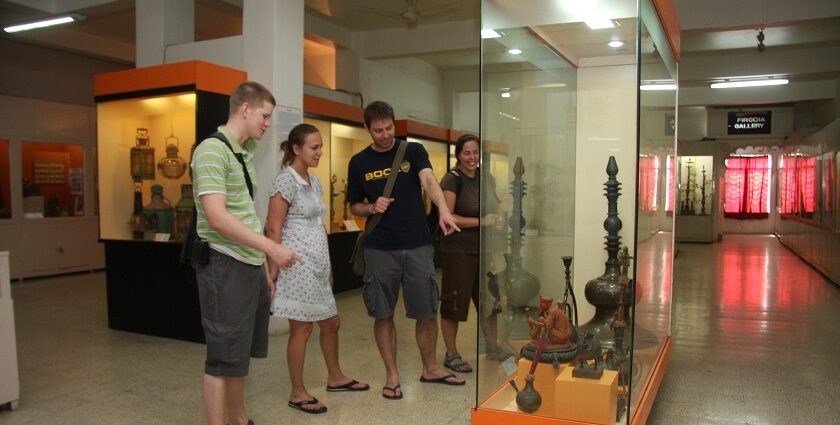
x=299 y=406
x=442 y=380
x=393 y=391
x=348 y=387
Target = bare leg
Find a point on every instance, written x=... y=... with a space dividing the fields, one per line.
x=425 y=332
x=214 y=399
x=235 y=398
x=329 y=347
x=299 y=333
x=386 y=339
x=449 y=329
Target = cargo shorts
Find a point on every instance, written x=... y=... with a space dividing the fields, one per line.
x=235 y=310
x=413 y=269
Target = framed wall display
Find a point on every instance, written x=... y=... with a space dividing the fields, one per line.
x=48 y=191
x=49 y=172
x=77 y=181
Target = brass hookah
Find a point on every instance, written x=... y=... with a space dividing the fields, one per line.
x=612 y=289
x=520 y=286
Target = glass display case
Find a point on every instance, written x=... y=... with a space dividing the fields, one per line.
x=148 y=120
x=586 y=324
x=53 y=180
x=694 y=199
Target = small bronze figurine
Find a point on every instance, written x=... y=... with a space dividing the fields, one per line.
x=590 y=349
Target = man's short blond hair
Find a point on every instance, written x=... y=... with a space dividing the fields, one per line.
x=252 y=93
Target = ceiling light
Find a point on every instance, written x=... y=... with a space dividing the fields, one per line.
x=515 y=51
x=647 y=87
x=749 y=83
x=599 y=23
x=615 y=43
x=489 y=33
x=506 y=94
x=46 y=22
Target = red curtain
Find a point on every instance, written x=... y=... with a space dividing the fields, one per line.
x=828 y=185
x=670 y=181
x=797 y=191
x=648 y=181
x=747 y=187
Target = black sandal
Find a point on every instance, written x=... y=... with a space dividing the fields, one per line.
x=455 y=363
x=299 y=406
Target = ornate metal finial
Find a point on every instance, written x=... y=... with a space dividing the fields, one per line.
x=518 y=189
x=612 y=224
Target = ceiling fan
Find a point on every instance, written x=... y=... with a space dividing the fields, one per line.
x=411 y=14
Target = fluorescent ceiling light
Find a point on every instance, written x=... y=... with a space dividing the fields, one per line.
x=489 y=33
x=506 y=94
x=515 y=51
x=599 y=23
x=749 y=83
x=615 y=43
x=46 y=22
x=658 y=87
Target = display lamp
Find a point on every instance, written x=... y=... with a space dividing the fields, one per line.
x=142 y=157
x=172 y=166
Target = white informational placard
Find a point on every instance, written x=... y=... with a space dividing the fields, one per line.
x=286 y=118
x=162 y=237
x=351 y=226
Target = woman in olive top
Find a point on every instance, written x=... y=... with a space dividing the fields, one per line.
x=459 y=252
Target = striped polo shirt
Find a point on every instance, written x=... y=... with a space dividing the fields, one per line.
x=216 y=170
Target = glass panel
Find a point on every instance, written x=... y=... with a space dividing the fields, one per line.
x=141 y=145
x=345 y=142
x=53 y=180
x=827 y=198
x=438 y=156
x=695 y=193
x=5 y=181
x=651 y=317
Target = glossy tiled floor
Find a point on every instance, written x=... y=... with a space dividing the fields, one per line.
x=755 y=341
x=756 y=338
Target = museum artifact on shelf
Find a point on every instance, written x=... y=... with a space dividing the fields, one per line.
x=142 y=157
x=554 y=332
x=610 y=290
x=159 y=213
x=520 y=286
x=172 y=166
x=184 y=211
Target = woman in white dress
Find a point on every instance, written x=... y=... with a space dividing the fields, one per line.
x=304 y=293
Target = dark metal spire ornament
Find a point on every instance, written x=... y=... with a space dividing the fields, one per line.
x=605 y=292
x=520 y=286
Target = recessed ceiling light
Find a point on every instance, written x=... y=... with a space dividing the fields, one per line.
x=599 y=23
x=647 y=87
x=46 y=22
x=506 y=94
x=489 y=33
x=749 y=83
x=615 y=43
x=515 y=51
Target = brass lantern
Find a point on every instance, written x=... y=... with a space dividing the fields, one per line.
x=142 y=157
x=172 y=166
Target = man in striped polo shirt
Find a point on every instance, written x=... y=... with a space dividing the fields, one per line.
x=234 y=291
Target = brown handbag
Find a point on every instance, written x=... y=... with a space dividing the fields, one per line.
x=357 y=259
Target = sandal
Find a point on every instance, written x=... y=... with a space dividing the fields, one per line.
x=299 y=406
x=393 y=390
x=456 y=363
x=498 y=354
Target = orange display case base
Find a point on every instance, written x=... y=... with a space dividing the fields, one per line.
x=485 y=416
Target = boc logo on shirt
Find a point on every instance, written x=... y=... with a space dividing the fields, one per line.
x=405 y=166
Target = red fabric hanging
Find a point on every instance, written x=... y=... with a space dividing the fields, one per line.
x=648 y=181
x=746 y=186
x=671 y=182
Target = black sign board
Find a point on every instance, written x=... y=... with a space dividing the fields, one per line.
x=751 y=122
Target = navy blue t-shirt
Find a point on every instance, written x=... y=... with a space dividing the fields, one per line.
x=403 y=226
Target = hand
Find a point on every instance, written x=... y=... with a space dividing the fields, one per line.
x=494 y=220
x=284 y=257
x=447 y=223
x=381 y=205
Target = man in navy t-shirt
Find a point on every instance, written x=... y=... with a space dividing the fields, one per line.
x=399 y=251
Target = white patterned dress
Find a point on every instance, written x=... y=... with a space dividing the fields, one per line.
x=303 y=291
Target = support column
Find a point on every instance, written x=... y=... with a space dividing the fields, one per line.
x=159 y=24
x=272 y=55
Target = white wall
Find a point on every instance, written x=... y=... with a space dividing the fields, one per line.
x=34 y=72
x=606 y=126
x=50 y=245
x=413 y=87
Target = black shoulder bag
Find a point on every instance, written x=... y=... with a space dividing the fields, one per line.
x=195 y=249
